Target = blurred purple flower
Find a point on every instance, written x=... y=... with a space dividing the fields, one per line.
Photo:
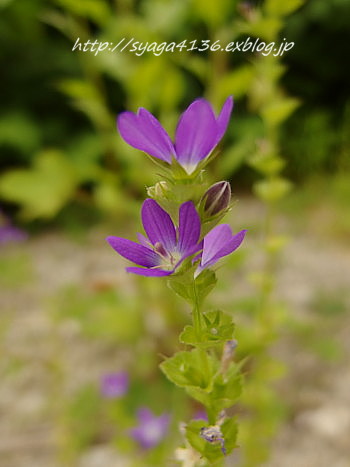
x=166 y=247
x=200 y=415
x=10 y=233
x=114 y=385
x=219 y=242
x=151 y=430
x=197 y=133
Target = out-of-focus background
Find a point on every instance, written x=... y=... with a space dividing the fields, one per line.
x=70 y=315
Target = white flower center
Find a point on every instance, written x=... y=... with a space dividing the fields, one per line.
x=168 y=259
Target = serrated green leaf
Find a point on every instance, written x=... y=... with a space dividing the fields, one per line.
x=181 y=288
x=193 y=371
x=227 y=388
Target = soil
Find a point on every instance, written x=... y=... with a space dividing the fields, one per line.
x=317 y=433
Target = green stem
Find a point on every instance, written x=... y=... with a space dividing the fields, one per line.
x=196 y=313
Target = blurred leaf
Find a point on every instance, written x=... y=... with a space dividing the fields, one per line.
x=276 y=111
x=42 y=190
x=165 y=17
x=161 y=83
x=15 y=270
x=18 y=130
x=5 y=3
x=109 y=197
x=276 y=243
x=104 y=314
x=91 y=9
x=85 y=153
x=264 y=28
x=273 y=189
x=80 y=418
x=278 y=8
x=267 y=164
x=236 y=82
x=88 y=99
x=213 y=13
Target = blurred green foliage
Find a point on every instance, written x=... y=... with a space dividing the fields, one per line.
x=59 y=147
x=57 y=123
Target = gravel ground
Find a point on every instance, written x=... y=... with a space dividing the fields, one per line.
x=316 y=435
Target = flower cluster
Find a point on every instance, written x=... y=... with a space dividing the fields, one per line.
x=166 y=246
x=182 y=241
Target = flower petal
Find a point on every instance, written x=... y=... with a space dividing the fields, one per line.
x=196 y=134
x=219 y=242
x=149 y=272
x=232 y=245
x=189 y=227
x=144 y=132
x=143 y=240
x=214 y=241
x=224 y=117
x=158 y=224
x=144 y=415
x=134 y=252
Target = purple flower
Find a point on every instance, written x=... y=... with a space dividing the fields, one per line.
x=197 y=133
x=114 y=385
x=166 y=247
x=151 y=429
x=217 y=243
x=11 y=234
x=200 y=415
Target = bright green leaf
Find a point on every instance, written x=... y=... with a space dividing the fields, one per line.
x=191 y=370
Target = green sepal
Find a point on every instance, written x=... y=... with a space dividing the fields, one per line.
x=218 y=329
x=212 y=451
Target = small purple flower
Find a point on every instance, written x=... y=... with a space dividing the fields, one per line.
x=151 y=430
x=8 y=232
x=11 y=234
x=200 y=415
x=166 y=247
x=197 y=133
x=115 y=385
x=219 y=242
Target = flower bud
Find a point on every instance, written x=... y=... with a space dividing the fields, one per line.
x=158 y=191
x=216 y=199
